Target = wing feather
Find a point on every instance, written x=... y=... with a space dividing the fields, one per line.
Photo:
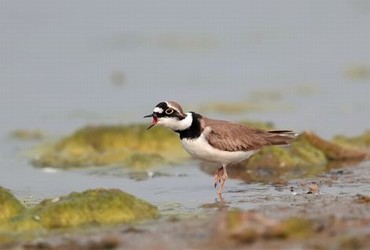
x=229 y=136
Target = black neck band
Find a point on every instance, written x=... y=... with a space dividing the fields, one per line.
x=194 y=130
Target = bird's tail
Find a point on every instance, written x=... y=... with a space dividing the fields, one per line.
x=281 y=137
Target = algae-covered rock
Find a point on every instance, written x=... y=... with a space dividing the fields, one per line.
x=9 y=205
x=98 y=206
x=129 y=145
x=307 y=150
x=92 y=207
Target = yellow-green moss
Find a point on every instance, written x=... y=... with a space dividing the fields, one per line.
x=130 y=145
x=297 y=160
x=25 y=222
x=9 y=205
x=92 y=207
x=98 y=206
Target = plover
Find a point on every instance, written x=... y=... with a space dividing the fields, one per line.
x=213 y=140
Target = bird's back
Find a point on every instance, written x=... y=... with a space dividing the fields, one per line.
x=228 y=136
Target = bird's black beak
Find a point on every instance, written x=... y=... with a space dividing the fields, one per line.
x=154 y=122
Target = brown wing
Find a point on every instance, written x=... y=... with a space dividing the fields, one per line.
x=229 y=136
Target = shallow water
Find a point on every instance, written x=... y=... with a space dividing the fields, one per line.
x=64 y=65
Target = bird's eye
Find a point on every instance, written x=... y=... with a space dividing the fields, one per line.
x=169 y=111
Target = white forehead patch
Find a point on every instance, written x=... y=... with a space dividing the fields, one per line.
x=158 y=110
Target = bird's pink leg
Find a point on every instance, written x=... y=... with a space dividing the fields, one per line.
x=220 y=177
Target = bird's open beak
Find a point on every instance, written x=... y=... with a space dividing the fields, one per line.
x=154 y=122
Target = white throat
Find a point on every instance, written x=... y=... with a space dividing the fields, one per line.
x=176 y=125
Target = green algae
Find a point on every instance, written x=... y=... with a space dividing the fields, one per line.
x=298 y=159
x=128 y=145
x=98 y=206
x=9 y=205
x=91 y=207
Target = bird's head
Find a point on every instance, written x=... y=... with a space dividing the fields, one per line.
x=170 y=115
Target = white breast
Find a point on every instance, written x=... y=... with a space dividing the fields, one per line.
x=201 y=149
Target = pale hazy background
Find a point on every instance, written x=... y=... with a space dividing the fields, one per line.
x=67 y=63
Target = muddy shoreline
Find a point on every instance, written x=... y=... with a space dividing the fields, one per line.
x=338 y=212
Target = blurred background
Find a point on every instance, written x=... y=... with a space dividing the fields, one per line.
x=301 y=65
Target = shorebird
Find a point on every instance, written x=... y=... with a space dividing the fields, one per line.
x=219 y=141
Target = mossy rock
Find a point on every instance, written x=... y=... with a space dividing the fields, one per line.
x=92 y=207
x=300 y=159
x=98 y=206
x=9 y=205
x=128 y=145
